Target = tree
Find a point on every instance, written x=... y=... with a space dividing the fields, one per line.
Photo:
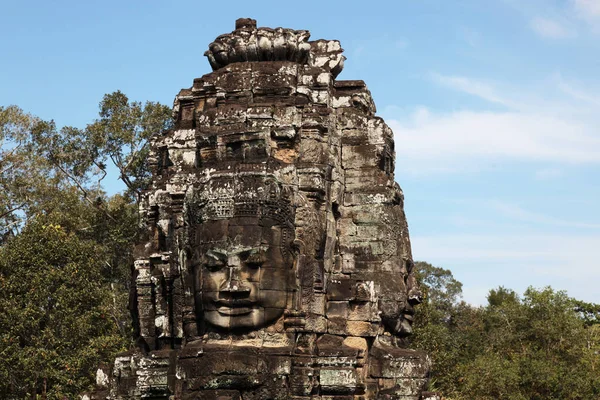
x=55 y=324
x=440 y=284
x=41 y=165
x=65 y=247
x=589 y=312
x=543 y=345
x=122 y=133
x=500 y=296
x=441 y=290
x=24 y=175
x=535 y=348
x=440 y=324
x=36 y=154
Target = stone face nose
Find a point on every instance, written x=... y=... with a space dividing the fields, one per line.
x=245 y=23
x=234 y=283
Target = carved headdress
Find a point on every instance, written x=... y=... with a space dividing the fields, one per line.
x=229 y=195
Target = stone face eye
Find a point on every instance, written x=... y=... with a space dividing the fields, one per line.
x=255 y=261
x=253 y=264
x=213 y=265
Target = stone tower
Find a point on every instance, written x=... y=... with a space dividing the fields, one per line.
x=276 y=262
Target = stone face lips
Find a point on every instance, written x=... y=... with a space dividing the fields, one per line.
x=276 y=261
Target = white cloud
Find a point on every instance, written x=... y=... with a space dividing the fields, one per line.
x=588 y=8
x=458 y=136
x=518 y=213
x=550 y=125
x=589 y=11
x=551 y=29
x=530 y=129
x=473 y=87
x=576 y=92
x=494 y=248
x=545 y=174
x=515 y=261
x=560 y=20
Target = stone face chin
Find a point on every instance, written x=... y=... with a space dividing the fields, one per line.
x=276 y=261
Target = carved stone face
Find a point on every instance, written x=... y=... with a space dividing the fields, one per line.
x=399 y=293
x=243 y=268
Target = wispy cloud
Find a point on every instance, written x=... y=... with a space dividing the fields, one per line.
x=551 y=29
x=577 y=11
x=456 y=137
x=515 y=261
x=576 y=92
x=559 y=20
x=518 y=213
x=544 y=174
x=531 y=129
x=531 y=249
x=472 y=37
x=358 y=51
x=473 y=87
x=588 y=10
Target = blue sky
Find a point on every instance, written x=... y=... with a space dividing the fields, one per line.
x=495 y=105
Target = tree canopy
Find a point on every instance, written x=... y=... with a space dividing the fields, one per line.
x=543 y=345
x=65 y=246
x=57 y=321
x=66 y=258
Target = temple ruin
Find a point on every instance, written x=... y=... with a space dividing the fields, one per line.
x=276 y=262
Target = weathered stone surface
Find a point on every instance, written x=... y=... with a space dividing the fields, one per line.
x=276 y=262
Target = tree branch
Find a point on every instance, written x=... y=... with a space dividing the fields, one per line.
x=84 y=191
x=4 y=214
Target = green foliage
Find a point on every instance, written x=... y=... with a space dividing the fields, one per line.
x=440 y=286
x=24 y=174
x=589 y=312
x=500 y=296
x=55 y=324
x=121 y=135
x=440 y=322
x=65 y=247
x=540 y=346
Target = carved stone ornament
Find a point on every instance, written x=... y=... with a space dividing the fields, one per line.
x=276 y=261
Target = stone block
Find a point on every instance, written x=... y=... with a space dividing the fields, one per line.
x=340 y=289
x=393 y=363
x=337 y=309
x=358 y=343
x=361 y=328
x=363 y=311
x=336 y=326
x=337 y=380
